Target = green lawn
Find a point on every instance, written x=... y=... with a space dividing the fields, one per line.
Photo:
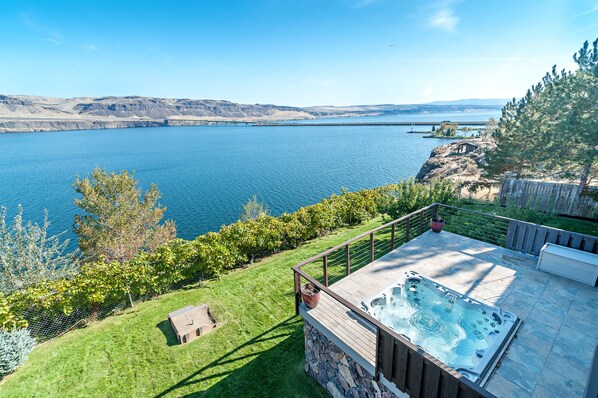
x=258 y=350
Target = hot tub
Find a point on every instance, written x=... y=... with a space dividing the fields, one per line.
x=464 y=333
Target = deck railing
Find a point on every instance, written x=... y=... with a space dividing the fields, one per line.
x=412 y=370
x=512 y=234
x=336 y=263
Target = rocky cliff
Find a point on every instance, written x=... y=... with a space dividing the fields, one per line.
x=29 y=113
x=459 y=161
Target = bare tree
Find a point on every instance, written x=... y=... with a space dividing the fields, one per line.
x=29 y=256
x=254 y=209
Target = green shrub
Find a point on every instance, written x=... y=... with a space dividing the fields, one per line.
x=292 y=230
x=318 y=219
x=47 y=298
x=103 y=281
x=15 y=346
x=409 y=196
x=103 y=284
x=8 y=319
x=167 y=265
x=352 y=208
x=384 y=198
x=209 y=257
x=253 y=238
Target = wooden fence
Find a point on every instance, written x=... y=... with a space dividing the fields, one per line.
x=555 y=197
x=529 y=238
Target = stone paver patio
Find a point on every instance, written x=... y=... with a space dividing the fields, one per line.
x=551 y=353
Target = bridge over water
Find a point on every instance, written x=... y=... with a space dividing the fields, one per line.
x=340 y=124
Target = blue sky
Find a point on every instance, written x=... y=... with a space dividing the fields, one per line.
x=289 y=52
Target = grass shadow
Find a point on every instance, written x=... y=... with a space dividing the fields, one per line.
x=275 y=372
x=167 y=331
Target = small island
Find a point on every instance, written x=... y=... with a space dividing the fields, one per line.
x=452 y=130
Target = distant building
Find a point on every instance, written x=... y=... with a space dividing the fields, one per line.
x=466 y=147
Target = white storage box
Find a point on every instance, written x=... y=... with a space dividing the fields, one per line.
x=569 y=263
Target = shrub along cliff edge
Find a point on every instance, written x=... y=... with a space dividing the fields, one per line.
x=105 y=285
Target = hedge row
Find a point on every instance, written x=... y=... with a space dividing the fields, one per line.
x=210 y=255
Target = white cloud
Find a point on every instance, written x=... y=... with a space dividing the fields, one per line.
x=442 y=16
x=27 y=20
x=362 y=3
x=587 y=12
x=444 y=19
x=592 y=26
x=49 y=34
x=427 y=91
x=90 y=47
x=52 y=41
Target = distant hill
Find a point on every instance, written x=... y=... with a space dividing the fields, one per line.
x=33 y=113
x=22 y=113
x=392 y=109
x=473 y=101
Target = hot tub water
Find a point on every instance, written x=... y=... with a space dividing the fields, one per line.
x=459 y=331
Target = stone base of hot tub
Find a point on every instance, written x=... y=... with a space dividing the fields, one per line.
x=336 y=371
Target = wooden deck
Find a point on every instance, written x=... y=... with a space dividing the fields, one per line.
x=560 y=316
x=337 y=318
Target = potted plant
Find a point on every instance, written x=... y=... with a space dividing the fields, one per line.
x=437 y=224
x=310 y=294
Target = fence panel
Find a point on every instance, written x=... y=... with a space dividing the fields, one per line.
x=529 y=238
x=556 y=197
x=418 y=374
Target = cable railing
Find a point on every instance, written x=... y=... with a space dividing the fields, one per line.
x=335 y=263
x=395 y=356
x=512 y=234
x=407 y=366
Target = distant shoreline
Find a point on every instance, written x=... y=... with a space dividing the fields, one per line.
x=22 y=113
x=17 y=126
x=341 y=124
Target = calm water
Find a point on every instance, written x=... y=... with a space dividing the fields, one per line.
x=418 y=117
x=207 y=173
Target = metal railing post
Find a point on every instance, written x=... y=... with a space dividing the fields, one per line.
x=297 y=284
x=377 y=363
x=407 y=228
x=325 y=265
x=372 y=247
x=392 y=236
x=347 y=260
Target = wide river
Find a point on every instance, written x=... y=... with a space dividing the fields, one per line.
x=206 y=173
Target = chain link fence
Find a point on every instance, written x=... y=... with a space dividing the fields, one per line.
x=46 y=325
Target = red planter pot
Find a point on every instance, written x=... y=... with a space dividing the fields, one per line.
x=310 y=295
x=437 y=224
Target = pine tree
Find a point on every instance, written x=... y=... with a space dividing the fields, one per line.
x=554 y=127
x=573 y=111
